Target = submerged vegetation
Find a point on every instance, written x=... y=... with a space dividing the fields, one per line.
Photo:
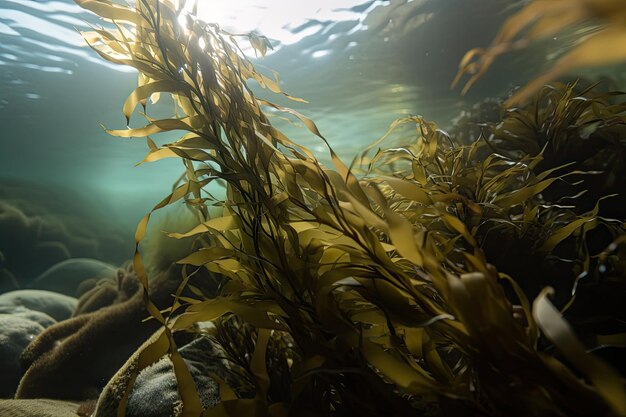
x=424 y=285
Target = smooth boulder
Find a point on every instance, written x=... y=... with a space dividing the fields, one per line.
x=32 y=315
x=66 y=276
x=58 y=306
x=18 y=327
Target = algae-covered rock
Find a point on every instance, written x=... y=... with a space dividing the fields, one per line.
x=58 y=306
x=107 y=291
x=38 y=408
x=155 y=393
x=76 y=357
x=66 y=276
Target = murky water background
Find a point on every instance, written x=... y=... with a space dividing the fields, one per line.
x=360 y=64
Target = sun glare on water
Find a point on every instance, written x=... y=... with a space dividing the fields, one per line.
x=284 y=22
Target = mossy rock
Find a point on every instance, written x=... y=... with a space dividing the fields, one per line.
x=155 y=393
x=38 y=408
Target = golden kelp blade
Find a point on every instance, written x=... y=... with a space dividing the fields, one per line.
x=544 y=18
x=608 y=382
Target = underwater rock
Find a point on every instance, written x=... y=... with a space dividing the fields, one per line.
x=32 y=315
x=35 y=243
x=49 y=224
x=66 y=276
x=155 y=393
x=17 y=330
x=58 y=306
x=75 y=358
x=38 y=408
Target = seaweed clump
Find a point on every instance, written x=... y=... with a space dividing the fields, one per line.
x=572 y=129
x=342 y=288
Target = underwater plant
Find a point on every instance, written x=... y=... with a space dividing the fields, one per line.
x=539 y=19
x=342 y=288
x=72 y=359
x=571 y=124
x=568 y=128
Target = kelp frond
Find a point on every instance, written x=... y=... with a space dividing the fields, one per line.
x=368 y=296
x=606 y=44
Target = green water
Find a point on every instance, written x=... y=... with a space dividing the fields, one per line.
x=360 y=66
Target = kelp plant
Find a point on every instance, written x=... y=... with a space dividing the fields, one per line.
x=343 y=296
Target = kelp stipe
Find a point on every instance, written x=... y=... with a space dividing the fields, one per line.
x=345 y=289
